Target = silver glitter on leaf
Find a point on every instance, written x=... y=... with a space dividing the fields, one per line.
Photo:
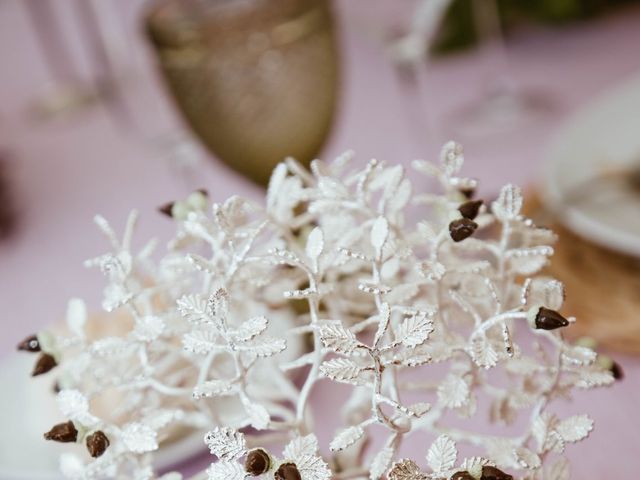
x=442 y=454
x=345 y=438
x=225 y=443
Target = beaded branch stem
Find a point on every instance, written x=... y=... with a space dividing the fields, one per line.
x=202 y=337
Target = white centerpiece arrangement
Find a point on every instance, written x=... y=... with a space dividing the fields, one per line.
x=428 y=321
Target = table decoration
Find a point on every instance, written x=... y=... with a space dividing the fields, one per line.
x=255 y=80
x=424 y=320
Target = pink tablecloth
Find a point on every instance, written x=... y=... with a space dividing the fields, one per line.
x=68 y=170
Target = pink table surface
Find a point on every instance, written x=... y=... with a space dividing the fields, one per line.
x=68 y=170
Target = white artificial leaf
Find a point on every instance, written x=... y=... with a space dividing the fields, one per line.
x=594 y=378
x=315 y=245
x=312 y=467
x=379 y=234
x=509 y=203
x=401 y=197
x=193 y=308
x=451 y=158
x=225 y=443
x=340 y=369
x=575 y=428
x=442 y=454
x=338 y=338
x=258 y=416
x=148 y=328
x=482 y=352
x=383 y=321
x=578 y=355
x=402 y=293
x=415 y=329
x=406 y=470
x=453 y=392
x=547 y=292
x=139 y=438
x=158 y=419
x=526 y=458
x=76 y=316
x=226 y=471
x=250 y=329
x=345 y=438
x=264 y=347
x=218 y=305
x=213 y=388
x=419 y=409
x=275 y=182
x=301 y=446
x=542 y=425
x=528 y=265
x=201 y=263
x=380 y=463
x=74 y=405
x=200 y=341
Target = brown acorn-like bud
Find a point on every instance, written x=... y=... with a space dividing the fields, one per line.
x=617 y=371
x=97 y=443
x=461 y=229
x=468 y=192
x=462 y=476
x=287 y=471
x=493 y=473
x=166 y=209
x=470 y=209
x=62 y=432
x=44 y=364
x=608 y=363
x=257 y=462
x=547 y=319
x=30 y=344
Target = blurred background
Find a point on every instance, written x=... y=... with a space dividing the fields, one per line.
x=108 y=105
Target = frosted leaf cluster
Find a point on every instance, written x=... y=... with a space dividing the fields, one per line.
x=253 y=307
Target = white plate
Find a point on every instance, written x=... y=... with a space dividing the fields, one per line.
x=603 y=136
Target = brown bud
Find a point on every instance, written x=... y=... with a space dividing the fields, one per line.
x=547 y=319
x=30 y=344
x=62 y=432
x=462 y=476
x=257 y=462
x=468 y=192
x=44 y=364
x=493 y=473
x=461 y=229
x=166 y=209
x=616 y=370
x=97 y=443
x=287 y=471
x=470 y=209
